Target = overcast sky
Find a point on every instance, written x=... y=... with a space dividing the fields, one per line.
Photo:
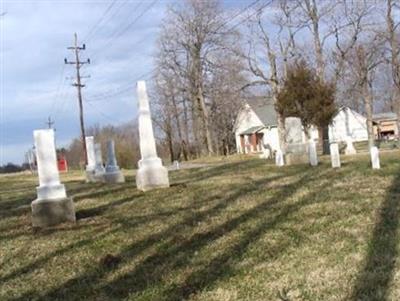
x=34 y=37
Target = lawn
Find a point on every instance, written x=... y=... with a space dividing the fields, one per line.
x=240 y=230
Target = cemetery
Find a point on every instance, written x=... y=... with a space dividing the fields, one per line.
x=233 y=230
x=225 y=151
x=229 y=228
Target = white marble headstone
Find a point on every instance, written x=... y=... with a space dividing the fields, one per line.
x=279 y=160
x=49 y=179
x=375 y=158
x=99 y=168
x=90 y=153
x=176 y=165
x=312 y=153
x=151 y=173
x=335 y=156
x=266 y=153
x=350 y=150
x=52 y=205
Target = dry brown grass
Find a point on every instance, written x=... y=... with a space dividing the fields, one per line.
x=244 y=230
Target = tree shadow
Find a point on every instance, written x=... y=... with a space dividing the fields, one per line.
x=373 y=281
x=176 y=254
x=91 y=212
x=174 y=251
x=207 y=172
x=59 y=252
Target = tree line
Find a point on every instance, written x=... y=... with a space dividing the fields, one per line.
x=210 y=60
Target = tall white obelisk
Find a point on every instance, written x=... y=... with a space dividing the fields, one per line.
x=52 y=205
x=151 y=174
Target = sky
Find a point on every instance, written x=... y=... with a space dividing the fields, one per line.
x=35 y=83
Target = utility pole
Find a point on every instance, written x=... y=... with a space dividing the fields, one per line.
x=49 y=122
x=78 y=84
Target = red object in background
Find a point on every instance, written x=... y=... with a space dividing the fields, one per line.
x=62 y=164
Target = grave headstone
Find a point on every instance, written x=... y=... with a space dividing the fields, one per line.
x=335 y=156
x=52 y=205
x=312 y=153
x=266 y=153
x=279 y=160
x=99 y=169
x=91 y=164
x=176 y=165
x=151 y=173
x=350 y=150
x=375 y=158
x=112 y=174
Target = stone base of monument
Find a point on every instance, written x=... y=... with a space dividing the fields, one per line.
x=296 y=158
x=90 y=178
x=350 y=151
x=151 y=175
x=93 y=177
x=114 y=177
x=47 y=213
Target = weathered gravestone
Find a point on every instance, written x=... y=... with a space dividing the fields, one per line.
x=350 y=150
x=335 y=156
x=279 y=160
x=113 y=174
x=296 y=149
x=312 y=153
x=99 y=169
x=266 y=153
x=151 y=173
x=91 y=164
x=375 y=158
x=52 y=205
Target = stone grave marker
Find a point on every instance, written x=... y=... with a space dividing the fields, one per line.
x=52 y=205
x=151 y=173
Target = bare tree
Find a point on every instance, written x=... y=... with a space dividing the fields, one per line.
x=268 y=74
x=393 y=39
x=193 y=39
x=363 y=63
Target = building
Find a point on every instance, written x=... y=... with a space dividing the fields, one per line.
x=256 y=127
x=346 y=124
x=385 y=125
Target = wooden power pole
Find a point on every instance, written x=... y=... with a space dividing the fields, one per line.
x=79 y=86
x=50 y=122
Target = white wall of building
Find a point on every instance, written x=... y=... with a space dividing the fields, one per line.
x=271 y=138
x=246 y=119
x=348 y=123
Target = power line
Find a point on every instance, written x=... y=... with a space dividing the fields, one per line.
x=116 y=34
x=121 y=90
x=60 y=82
x=258 y=10
x=94 y=27
x=230 y=18
x=116 y=10
x=103 y=114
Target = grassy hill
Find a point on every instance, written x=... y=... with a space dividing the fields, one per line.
x=243 y=230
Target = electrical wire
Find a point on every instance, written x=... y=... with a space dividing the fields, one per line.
x=95 y=26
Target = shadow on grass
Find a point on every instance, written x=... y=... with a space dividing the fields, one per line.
x=203 y=173
x=92 y=212
x=59 y=252
x=373 y=281
x=21 y=205
x=175 y=252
